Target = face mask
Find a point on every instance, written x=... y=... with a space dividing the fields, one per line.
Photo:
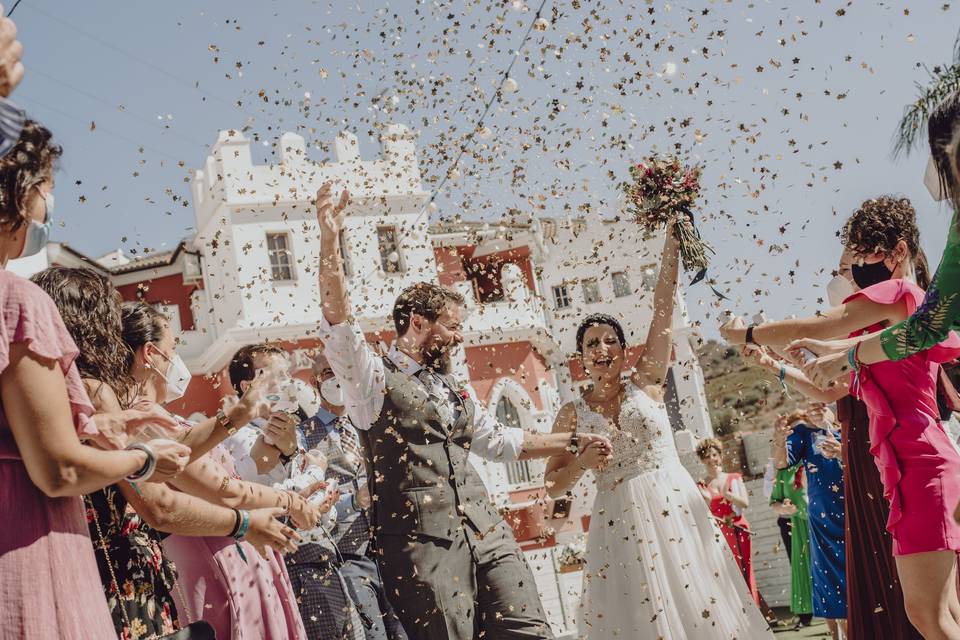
x=931 y=179
x=331 y=392
x=177 y=378
x=838 y=290
x=866 y=275
x=38 y=233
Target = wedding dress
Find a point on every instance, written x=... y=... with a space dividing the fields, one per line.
x=657 y=567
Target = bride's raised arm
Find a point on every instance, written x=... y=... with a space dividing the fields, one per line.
x=651 y=368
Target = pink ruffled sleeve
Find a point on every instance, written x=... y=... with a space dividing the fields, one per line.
x=29 y=316
x=891 y=292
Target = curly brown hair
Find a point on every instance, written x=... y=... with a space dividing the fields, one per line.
x=29 y=163
x=704 y=446
x=879 y=224
x=422 y=298
x=90 y=308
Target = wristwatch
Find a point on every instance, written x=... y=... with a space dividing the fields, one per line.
x=223 y=420
x=574 y=445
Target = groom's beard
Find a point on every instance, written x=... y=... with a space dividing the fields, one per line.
x=437 y=359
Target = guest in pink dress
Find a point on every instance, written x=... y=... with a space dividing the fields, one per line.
x=919 y=466
x=49 y=584
x=242 y=594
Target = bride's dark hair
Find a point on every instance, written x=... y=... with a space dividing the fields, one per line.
x=597 y=319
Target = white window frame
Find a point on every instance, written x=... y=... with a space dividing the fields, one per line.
x=521 y=474
x=561 y=293
x=280 y=259
x=401 y=263
x=649 y=284
x=591 y=283
x=623 y=289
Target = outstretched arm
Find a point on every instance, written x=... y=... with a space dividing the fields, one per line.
x=837 y=322
x=793 y=376
x=333 y=288
x=655 y=360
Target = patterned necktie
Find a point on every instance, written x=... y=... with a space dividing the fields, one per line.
x=348 y=440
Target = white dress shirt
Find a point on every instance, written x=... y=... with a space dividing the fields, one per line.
x=361 y=375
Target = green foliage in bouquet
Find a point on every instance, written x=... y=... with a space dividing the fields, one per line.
x=661 y=190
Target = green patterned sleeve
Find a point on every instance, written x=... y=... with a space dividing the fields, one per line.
x=937 y=315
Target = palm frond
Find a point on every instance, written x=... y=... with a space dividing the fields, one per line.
x=944 y=80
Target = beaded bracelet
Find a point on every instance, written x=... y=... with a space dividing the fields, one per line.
x=782 y=377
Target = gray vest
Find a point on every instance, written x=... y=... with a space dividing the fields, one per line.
x=418 y=469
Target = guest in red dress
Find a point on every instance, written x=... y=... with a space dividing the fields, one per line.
x=727 y=496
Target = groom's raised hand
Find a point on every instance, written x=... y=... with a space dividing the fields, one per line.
x=331 y=216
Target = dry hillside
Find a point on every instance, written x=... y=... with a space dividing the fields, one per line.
x=741 y=397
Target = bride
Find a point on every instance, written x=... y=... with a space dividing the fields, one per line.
x=657 y=566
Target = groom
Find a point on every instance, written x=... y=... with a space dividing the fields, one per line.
x=449 y=562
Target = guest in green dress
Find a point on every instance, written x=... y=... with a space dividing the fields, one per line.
x=789 y=500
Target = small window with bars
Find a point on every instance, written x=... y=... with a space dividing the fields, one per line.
x=591 y=291
x=621 y=284
x=281 y=257
x=388 y=241
x=520 y=474
x=650 y=276
x=561 y=296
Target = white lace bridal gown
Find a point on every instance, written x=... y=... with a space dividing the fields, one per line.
x=657 y=566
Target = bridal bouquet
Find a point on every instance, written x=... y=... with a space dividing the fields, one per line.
x=661 y=190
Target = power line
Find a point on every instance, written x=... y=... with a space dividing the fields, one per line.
x=497 y=94
x=136 y=116
x=115 y=134
x=13 y=8
x=147 y=63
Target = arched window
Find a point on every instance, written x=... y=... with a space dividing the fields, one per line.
x=507 y=413
x=519 y=473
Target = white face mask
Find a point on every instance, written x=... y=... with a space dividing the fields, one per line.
x=177 y=378
x=838 y=290
x=931 y=178
x=331 y=392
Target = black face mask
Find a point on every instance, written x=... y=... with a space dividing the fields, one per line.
x=866 y=275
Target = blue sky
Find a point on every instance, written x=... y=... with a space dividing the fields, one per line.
x=790 y=106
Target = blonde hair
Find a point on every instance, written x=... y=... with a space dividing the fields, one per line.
x=704 y=446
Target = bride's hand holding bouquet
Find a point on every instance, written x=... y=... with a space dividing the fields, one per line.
x=661 y=194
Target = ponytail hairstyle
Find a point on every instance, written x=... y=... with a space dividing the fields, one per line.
x=142 y=323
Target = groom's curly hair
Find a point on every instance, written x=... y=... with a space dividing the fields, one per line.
x=424 y=299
